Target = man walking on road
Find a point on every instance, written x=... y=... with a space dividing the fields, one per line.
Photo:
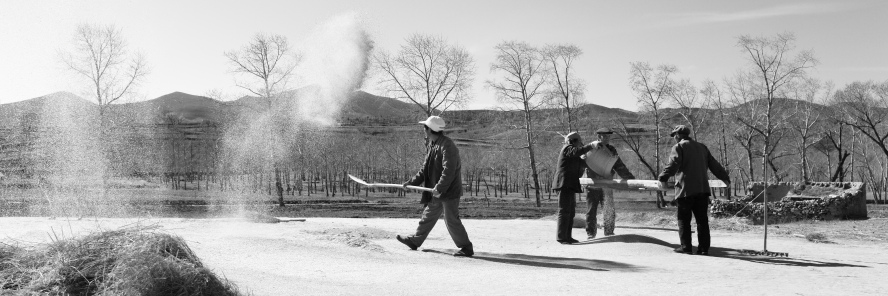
x=441 y=171
x=567 y=183
x=689 y=162
x=602 y=162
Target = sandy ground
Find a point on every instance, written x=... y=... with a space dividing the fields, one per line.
x=334 y=256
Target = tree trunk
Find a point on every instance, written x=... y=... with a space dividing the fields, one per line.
x=279 y=186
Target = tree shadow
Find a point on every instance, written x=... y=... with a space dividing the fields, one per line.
x=547 y=262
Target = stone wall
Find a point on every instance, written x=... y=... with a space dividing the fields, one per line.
x=798 y=201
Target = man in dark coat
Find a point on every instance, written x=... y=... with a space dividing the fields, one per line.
x=689 y=162
x=441 y=171
x=567 y=183
x=603 y=162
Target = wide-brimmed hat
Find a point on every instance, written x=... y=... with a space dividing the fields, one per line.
x=434 y=123
x=680 y=129
x=604 y=130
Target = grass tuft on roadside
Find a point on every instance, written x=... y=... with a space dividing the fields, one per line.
x=816 y=237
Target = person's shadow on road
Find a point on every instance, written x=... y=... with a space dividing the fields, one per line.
x=718 y=252
x=547 y=261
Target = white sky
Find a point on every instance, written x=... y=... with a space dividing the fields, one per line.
x=184 y=41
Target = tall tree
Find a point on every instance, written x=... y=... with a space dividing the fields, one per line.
x=522 y=84
x=652 y=88
x=100 y=54
x=807 y=121
x=774 y=69
x=428 y=72
x=566 y=87
x=714 y=97
x=864 y=107
x=747 y=109
x=268 y=63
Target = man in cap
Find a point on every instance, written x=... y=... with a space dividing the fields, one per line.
x=601 y=163
x=441 y=171
x=689 y=161
x=567 y=183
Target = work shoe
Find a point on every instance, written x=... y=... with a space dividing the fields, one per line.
x=407 y=241
x=464 y=252
x=683 y=250
x=568 y=241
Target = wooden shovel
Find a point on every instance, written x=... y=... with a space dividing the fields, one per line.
x=356 y=179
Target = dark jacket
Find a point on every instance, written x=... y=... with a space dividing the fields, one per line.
x=569 y=168
x=689 y=162
x=441 y=171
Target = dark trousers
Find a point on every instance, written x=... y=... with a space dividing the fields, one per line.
x=567 y=207
x=430 y=216
x=698 y=206
x=594 y=197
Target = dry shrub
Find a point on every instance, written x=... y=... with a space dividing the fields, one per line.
x=131 y=261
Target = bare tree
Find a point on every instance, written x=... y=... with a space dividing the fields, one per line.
x=864 y=107
x=522 y=85
x=268 y=58
x=566 y=87
x=652 y=88
x=713 y=96
x=428 y=72
x=100 y=55
x=774 y=70
x=807 y=122
x=268 y=63
x=690 y=105
x=747 y=108
x=834 y=140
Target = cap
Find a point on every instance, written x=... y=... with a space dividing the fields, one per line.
x=434 y=123
x=680 y=129
x=604 y=130
x=572 y=136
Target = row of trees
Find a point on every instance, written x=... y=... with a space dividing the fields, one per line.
x=770 y=113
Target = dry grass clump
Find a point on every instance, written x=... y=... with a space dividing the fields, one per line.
x=737 y=224
x=361 y=237
x=817 y=237
x=130 y=261
x=657 y=218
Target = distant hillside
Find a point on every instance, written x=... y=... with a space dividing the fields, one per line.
x=178 y=107
x=360 y=109
x=363 y=106
x=13 y=114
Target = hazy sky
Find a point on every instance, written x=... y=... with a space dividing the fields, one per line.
x=184 y=41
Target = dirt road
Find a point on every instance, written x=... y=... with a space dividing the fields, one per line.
x=336 y=256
